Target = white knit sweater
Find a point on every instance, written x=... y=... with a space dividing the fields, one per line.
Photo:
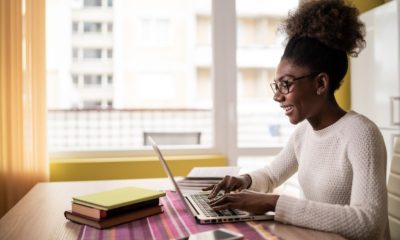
x=342 y=173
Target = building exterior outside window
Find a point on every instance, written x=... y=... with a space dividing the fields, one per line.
x=148 y=65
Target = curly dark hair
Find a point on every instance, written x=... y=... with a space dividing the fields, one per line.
x=333 y=22
x=321 y=34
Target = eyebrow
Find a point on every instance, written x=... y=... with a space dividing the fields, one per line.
x=280 y=78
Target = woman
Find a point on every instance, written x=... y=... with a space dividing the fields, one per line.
x=340 y=156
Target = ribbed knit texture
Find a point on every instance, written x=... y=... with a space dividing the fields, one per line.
x=342 y=173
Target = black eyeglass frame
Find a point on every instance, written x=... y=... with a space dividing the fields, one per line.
x=277 y=85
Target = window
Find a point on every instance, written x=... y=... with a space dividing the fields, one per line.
x=75 y=27
x=262 y=126
x=92 y=104
x=92 y=27
x=160 y=65
x=109 y=79
x=75 y=53
x=92 y=3
x=109 y=53
x=203 y=35
x=92 y=80
x=92 y=53
x=132 y=89
x=203 y=82
x=75 y=79
x=109 y=27
x=109 y=104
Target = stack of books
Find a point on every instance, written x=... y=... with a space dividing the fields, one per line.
x=109 y=208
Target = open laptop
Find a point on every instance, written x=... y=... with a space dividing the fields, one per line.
x=198 y=203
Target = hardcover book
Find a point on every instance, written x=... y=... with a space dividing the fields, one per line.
x=99 y=213
x=116 y=198
x=115 y=220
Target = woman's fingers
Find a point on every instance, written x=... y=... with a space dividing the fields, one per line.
x=215 y=190
x=217 y=201
x=218 y=187
x=227 y=201
x=222 y=207
x=228 y=184
x=208 y=188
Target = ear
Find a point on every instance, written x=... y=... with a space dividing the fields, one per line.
x=322 y=83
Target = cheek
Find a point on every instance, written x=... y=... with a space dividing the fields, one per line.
x=303 y=102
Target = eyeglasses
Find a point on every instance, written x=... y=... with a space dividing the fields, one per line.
x=283 y=86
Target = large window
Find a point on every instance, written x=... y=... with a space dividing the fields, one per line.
x=168 y=68
x=131 y=73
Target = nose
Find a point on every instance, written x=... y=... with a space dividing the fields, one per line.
x=278 y=96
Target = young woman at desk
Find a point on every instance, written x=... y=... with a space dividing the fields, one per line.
x=340 y=156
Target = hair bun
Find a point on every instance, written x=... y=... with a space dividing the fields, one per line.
x=332 y=22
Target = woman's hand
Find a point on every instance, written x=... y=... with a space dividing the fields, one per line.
x=228 y=184
x=250 y=201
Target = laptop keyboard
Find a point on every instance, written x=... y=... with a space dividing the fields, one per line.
x=202 y=201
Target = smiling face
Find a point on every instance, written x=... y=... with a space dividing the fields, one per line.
x=302 y=101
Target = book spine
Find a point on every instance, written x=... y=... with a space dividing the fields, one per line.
x=116 y=220
x=136 y=206
x=102 y=214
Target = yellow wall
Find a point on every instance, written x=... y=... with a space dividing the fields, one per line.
x=126 y=168
x=343 y=95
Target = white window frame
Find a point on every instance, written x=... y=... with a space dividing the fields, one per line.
x=224 y=97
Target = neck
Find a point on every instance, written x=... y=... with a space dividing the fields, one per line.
x=329 y=113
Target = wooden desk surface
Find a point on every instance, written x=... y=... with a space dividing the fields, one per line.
x=40 y=213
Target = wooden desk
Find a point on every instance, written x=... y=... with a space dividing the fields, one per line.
x=39 y=214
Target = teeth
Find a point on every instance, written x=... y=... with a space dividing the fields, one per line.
x=288 y=108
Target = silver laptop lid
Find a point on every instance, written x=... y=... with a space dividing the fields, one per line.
x=167 y=170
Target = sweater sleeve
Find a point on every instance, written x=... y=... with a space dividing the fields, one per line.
x=366 y=215
x=282 y=167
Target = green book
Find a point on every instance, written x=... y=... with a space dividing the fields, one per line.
x=116 y=198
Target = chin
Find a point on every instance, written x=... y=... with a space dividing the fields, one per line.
x=295 y=120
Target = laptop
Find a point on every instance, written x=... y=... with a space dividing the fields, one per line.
x=197 y=203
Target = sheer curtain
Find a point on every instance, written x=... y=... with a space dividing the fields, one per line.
x=23 y=153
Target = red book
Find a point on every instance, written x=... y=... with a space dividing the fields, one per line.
x=115 y=220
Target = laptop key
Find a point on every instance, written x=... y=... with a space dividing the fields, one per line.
x=238 y=212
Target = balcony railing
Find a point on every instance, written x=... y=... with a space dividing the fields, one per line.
x=113 y=129
x=110 y=129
